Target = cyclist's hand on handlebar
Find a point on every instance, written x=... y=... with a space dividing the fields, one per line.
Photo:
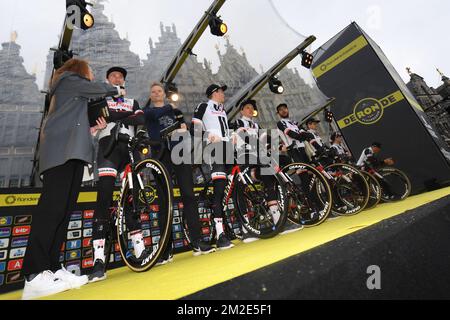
x=183 y=128
x=214 y=138
x=389 y=162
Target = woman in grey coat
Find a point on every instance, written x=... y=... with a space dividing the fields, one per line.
x=66 y=146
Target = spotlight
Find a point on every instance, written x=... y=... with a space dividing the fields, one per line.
x=217 y=26
x=329 y=117
x=172 y=92
x=276 y=86
x=307 y=59
x=87 y=20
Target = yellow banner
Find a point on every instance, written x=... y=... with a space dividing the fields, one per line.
x=24 y=200
x=339 y=57
x=369 y=111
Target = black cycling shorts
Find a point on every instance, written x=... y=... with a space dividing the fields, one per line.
x=115 y=162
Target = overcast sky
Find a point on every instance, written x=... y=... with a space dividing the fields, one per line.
x=412 y=33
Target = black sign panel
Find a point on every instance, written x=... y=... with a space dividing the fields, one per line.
x=373 y=104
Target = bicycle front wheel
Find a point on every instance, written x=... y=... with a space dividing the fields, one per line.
x=309 y=195
x=145 y=203
x=395 y=185
x=253 y=209
x=374 y=189
x=351 y=189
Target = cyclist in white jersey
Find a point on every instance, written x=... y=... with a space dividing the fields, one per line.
x=210 y=119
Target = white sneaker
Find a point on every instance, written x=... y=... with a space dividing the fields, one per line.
x=44 y=284
x=74 y=281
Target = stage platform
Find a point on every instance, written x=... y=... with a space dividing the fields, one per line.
x=329 y=261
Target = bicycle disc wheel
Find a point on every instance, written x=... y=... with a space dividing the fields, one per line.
x=375 y=190
x=309 y=195
x=253 y=210
x=395 y=185
x=351 y=189
x=154 y=213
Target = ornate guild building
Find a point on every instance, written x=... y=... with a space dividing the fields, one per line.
x=435 y=102
x=21 y=103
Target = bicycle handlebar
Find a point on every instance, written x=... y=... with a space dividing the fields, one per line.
x=140 y=140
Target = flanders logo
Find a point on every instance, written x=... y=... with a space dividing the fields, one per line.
x=7 y=200
x=369 y=111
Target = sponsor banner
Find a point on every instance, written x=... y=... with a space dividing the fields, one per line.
x=176 y=228
x=87 y=242
x=76 y=234
x=20 y=220
x=178 y=235
x=5 y=221
x=5 y=232
x=14 y=265
x=146 y=233
x=176 y=220
x=87 y=233
x=78 y=224
x=73 y=255
x=178 y=244
x=2 y=266
x=21 y=231
x=145 y=225
x=88 y=214
x=176 y=213
x=155 y=240
x=15 y=200
x=76 y=215
x=154 y=208
x=73 y=244
x=4 y=243
x=88 y=252
x=14 y=277
x=2 y=279
x=147 y=241
x=87 y=263
x=145 y=217
x=88 y=223
x=17 y=253
x=19 y=242
x=154 y=215
x=117 y=257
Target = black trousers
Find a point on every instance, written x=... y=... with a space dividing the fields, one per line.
x=117 y=160
x=183 y=175
x=61 y=186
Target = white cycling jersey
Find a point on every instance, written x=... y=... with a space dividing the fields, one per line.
x=213 y=117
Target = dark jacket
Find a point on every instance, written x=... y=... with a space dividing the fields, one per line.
x=65 y=133
x=158 y=119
